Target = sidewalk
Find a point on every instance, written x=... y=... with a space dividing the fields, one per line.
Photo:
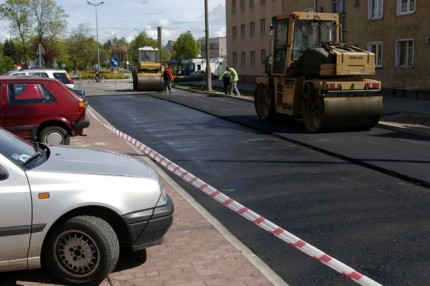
x=197 y=249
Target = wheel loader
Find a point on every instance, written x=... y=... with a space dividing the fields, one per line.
x=311 y=74
x=147 y=75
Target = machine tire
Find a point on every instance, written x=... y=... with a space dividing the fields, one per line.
x=264 y=102
x=54 y=135
x=313 y=112
x=134 y=83
x=82 y=251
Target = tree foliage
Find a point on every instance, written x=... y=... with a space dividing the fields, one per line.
x=186 y=47
x=81 y=47
x=35 y=22
x=140 y=41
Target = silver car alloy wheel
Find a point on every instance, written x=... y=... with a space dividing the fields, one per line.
x=77 y=252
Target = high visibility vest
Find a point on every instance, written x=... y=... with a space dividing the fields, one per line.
x=233 y=75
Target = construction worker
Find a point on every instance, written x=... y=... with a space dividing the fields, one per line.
x=234 y=78
x=167 y=77
x=225 y=77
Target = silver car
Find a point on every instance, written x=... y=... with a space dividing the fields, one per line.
x=75 y=208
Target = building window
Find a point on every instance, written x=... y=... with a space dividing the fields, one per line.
x=376 y=48
x=252 y=58
x=242 y=5
x=263 y=56
x=338 y=6
x=376 y=8
x=243 y=58
x=263 y=26
x=233 y=6
x=234 y=33
x=234 y=58
x=405 y=53
x=405 y=7
x=242 y=31
x=252 y=29
x=251 y=3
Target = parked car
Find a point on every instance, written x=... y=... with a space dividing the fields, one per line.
x=73 y=209
x=60 y=75
x=41 y=109
x=202 y=74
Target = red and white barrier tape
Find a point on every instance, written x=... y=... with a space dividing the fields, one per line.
x=245 y=212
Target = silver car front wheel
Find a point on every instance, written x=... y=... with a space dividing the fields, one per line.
x=82 y=251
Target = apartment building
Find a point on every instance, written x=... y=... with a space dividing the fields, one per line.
x=248 y=40
x=217 y=48
x=397 y=31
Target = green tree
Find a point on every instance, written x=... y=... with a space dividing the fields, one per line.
x=17 y=12
x=6 y=64
x=50 y=20
x=35 y=22
x=10 y=50
x=80 y=47
x=186 y=47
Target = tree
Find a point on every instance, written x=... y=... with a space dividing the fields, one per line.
x=50 y=19
x=10 y=50
x=6 y=64
x=81 y=47
x=186 y=47
x=17 y=12
x=35 y=22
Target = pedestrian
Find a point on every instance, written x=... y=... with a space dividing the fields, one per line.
x=167 y=78
x=225 y=77
x=234 y=78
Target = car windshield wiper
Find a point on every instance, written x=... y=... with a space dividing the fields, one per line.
x=39 y=153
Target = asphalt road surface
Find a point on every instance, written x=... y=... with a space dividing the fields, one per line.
x=363 y=197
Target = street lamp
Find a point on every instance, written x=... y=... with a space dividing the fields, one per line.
x=97 y=34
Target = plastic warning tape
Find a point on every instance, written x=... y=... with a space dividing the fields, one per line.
x=250 y=215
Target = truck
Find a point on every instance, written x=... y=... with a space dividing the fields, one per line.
x=147 y=74
x=311 y=75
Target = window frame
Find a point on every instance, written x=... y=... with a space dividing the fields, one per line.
x=371 y=15
x=379 y=47
x=408 y=4
x=409 y=57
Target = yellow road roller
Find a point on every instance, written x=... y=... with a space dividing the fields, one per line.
x=147 y=74
x=312 y=75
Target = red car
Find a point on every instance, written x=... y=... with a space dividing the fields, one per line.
x=41 y=109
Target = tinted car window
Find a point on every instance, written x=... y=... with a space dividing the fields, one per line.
x=61 y=77
x=41 y=74
x=29 y=93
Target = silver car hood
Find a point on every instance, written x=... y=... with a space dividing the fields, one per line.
x=91 y=161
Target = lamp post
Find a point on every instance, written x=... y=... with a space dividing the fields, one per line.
x=208 y=57
x=97 y=34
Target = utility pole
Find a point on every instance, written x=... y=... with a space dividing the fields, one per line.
x=208 y=57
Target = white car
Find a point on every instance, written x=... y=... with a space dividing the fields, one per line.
x=60 y=75
x=73 y=208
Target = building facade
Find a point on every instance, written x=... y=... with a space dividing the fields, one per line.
x=395 y=30
x=217 y=48
x=248 y=40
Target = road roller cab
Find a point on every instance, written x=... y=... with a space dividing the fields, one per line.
x=147 y=75
x=311 y=74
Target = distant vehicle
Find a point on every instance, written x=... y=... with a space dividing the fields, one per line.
x=73 y=209
x=60 y=75
x=202 y=73
x=41 y=109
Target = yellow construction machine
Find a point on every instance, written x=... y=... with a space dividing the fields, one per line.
x=312 y=75
x=147 y=75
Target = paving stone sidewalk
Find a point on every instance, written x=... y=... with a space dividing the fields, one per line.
x=195 y=251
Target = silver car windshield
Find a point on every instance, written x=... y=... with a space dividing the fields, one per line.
x=16 y=149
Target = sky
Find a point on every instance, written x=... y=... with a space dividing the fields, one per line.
x=127 y=18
